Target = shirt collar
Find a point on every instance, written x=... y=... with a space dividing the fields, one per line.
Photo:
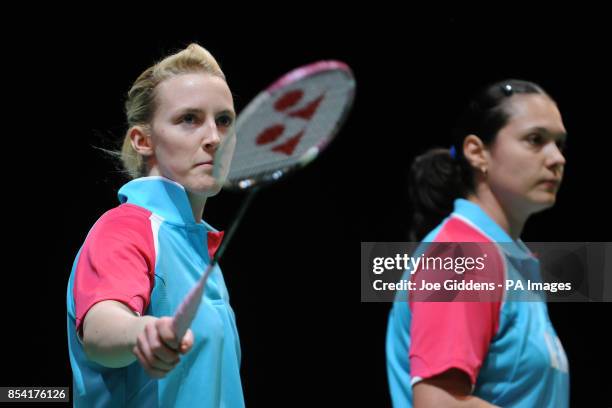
x=474 y=215
x=161 y=196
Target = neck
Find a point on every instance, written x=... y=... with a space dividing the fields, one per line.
x=197 y=202
x=510 y=222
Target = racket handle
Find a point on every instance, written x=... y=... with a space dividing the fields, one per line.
x=188 y=309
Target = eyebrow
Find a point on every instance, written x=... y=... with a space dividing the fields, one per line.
x=200 y=111
x=558 y=135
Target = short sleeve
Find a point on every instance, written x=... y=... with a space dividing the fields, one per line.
x=116 y=262
x=447 y=335
x=455 y=333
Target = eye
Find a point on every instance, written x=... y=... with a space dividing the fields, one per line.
x=189 y=118
x=225 y=120
x=535 y=139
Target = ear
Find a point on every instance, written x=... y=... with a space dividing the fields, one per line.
x=141 y=140
x=475 y=152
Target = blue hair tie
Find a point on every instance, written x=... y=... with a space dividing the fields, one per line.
x=453 y=152
x=507 y=89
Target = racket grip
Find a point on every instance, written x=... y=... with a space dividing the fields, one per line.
x=188 y=309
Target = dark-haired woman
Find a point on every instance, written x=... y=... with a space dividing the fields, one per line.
x=506 y=163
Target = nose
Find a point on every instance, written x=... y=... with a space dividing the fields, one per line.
x=211 y=137
x=555 y=158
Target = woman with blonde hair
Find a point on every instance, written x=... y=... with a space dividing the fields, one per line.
x=141 y=258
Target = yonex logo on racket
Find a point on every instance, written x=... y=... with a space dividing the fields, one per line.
x=290 y=123
x=286 y=104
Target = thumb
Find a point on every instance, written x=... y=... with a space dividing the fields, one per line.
x=187 y=342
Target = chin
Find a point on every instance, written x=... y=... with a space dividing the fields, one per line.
x=209 y=187
x=214 y=190
x=544 y=202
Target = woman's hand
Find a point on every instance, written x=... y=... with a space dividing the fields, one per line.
x=157 y=348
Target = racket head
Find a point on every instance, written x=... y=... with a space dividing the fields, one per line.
x=289 y=124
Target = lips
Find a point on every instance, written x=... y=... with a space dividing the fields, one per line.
x=551 y=182
x=210 y=162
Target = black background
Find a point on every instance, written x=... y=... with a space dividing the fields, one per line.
x=292 y=269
